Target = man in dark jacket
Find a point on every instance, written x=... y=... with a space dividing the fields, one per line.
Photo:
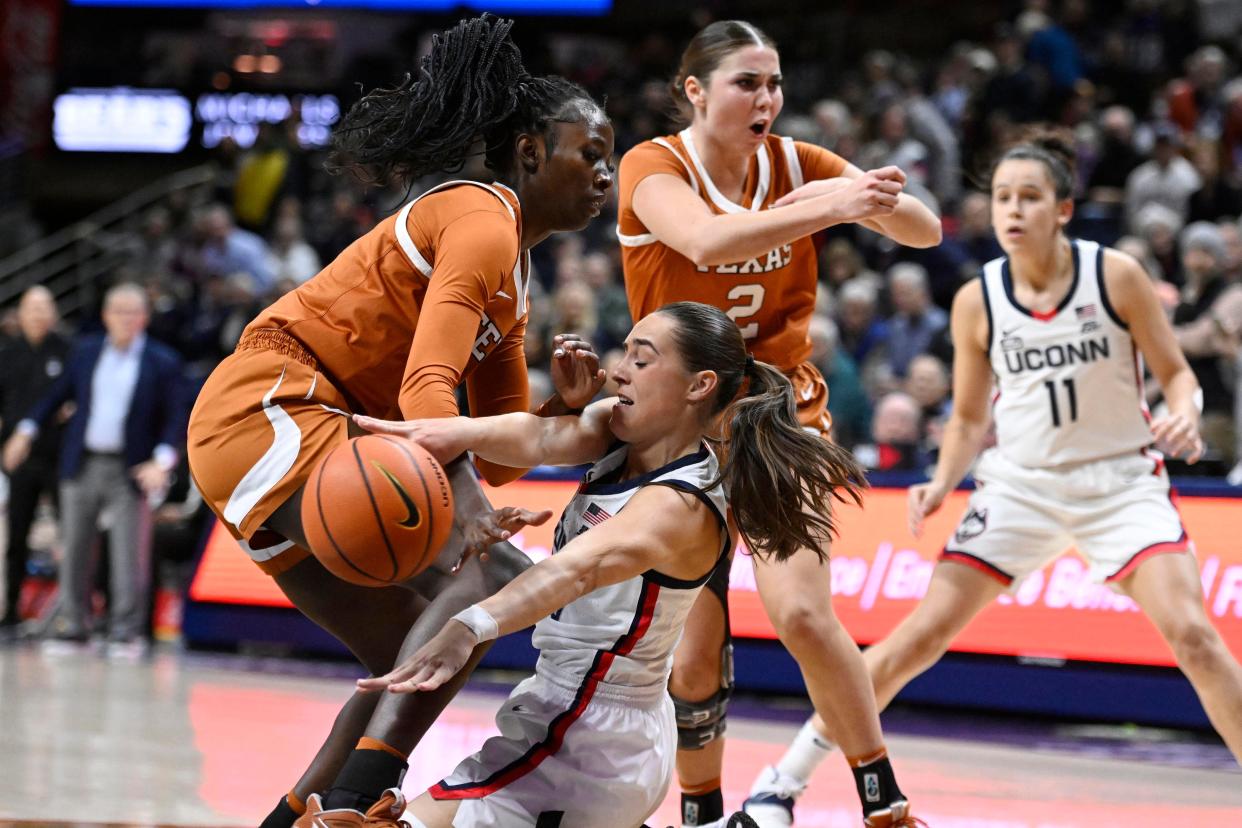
x=118 y=449
x=30 y=364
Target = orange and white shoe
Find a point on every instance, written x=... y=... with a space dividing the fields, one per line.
x=385 y=813
x=896 y=815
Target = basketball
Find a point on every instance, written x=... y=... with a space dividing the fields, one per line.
x=377 y=509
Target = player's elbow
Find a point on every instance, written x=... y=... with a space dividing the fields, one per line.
x=497 y=475
x=930 y=235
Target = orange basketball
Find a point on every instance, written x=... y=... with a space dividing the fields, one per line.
x=377 y=509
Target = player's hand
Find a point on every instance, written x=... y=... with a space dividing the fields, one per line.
x=873 y=194
x=16 y=450
x=446 y=438
x=576 y=374
x=481 y=531
x=1178 y=436
x=923 y=500
x=435 y=663
x=813 y=189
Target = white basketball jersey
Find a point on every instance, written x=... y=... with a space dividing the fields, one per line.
x=1069 y=385
x=625 y=634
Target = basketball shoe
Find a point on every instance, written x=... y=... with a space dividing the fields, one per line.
x=771 y=800
x=896 y=815
x=385 y=813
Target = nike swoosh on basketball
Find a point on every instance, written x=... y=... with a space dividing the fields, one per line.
x=413 y=518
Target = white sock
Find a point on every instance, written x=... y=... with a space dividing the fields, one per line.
x=805 y=754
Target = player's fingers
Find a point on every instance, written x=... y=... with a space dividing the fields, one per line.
x=1196 y=452
x=381 y=426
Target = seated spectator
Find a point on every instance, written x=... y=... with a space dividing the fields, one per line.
x=1219 y=196
x=927 y=381
x=896 y=435
x=915 y=321
x=1118 y=157
x=228 y=249
x=1167 y=179
x=290 y=257
x=863 y=334
x=847 y=400
x=1207 y=323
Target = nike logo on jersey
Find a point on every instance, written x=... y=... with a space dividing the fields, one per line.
x=413 y=517
x=504 y=295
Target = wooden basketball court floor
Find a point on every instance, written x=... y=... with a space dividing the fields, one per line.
x=192 y=740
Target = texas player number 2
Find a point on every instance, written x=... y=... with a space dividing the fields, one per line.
x=752 y=297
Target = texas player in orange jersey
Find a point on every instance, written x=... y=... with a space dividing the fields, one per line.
x=722 y=213
x=429 y=297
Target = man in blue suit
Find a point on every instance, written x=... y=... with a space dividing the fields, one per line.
x=118 y=449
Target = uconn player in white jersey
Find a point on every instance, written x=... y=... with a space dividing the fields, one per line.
x=1050 y=341
x=590 y=739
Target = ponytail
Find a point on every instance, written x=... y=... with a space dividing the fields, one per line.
x=471 y=85
x=781 y=478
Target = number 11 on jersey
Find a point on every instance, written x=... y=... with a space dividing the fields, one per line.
x=1051 y=385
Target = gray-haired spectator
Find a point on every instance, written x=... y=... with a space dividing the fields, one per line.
x=1207 y=322
x=848 y=402
x=863 y=334
x=915 y=320
x=1167 y=179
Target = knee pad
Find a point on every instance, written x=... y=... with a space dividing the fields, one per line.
x=699 y=723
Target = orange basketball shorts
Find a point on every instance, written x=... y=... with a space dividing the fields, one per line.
x=264 y=418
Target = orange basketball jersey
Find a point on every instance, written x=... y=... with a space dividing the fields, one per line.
x=430 y=296
x=770 y=297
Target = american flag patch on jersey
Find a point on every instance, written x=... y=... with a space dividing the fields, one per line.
x=594 y=515
x=1085 y=311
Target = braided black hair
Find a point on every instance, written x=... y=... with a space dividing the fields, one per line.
x=471 y=85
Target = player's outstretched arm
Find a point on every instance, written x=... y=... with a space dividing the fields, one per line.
x=660 y=528
x=517 y=439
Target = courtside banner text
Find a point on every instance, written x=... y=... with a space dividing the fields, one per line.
x=879 y=572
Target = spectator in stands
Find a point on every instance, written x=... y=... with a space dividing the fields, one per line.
x=1219 y=195
x=119 y=447
x=848 y=403
x=895 y=434
x=228 y=249
x=863 y=334
x=1207 y=323
x=915 y=321
x=927 y=382
x=1117 y=157
x=1167 y=179
x=290 y=258
x=1194 y=101
x=30 y=364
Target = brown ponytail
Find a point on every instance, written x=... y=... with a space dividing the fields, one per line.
x=781 y=478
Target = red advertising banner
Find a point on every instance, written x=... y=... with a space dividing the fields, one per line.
x=879 y=572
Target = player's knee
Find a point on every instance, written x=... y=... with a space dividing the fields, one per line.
x=699 y=723
x=804 y=625
x=694 y=679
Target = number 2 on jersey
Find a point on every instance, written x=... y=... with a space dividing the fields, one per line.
x=1072 y=398
x=753 y=294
